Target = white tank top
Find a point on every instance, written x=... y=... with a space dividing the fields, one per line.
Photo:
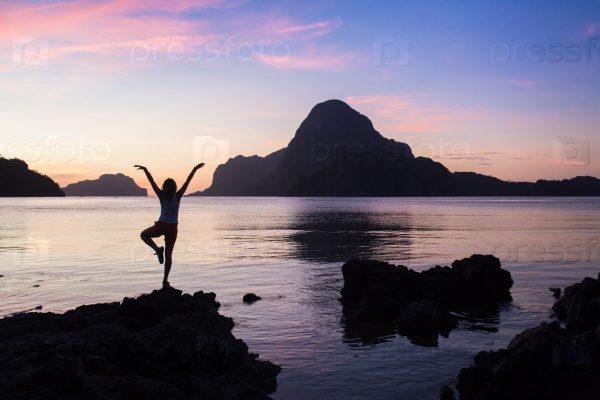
x=169 y=210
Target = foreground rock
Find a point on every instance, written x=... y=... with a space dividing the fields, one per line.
x=580 y=306
x=157 y=346
x=546 y=362
x=423 y=301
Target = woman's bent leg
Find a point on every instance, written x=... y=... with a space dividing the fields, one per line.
x=146 y=236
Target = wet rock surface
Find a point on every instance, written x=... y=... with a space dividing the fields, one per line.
x=580 y=305
x=548 y=361
x=160 y=345
x=250 y=298
x=423 y=301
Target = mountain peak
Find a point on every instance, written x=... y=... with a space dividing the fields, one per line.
x=335 y=121
x=332 y=106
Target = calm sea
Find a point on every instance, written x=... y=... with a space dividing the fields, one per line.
x=63 y=252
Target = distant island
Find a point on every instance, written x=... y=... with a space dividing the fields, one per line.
x=106 y=185
x=19 y=181
x=336 y=151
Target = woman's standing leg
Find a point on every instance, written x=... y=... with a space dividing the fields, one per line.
x=170 y=238
x=168 y=262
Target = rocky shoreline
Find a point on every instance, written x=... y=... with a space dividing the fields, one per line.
x=159 y=345
x=546 y=362
x=167 y=344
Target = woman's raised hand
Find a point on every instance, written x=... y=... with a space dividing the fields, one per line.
x=140 y=167
x=199 y=166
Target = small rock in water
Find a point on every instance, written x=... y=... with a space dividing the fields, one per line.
x=555 y=291
x=36 y=285
x=250 y=298
x=1 y=276
x=446 y=393
x=38 y=308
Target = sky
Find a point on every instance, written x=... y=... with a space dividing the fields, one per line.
x=508 y=89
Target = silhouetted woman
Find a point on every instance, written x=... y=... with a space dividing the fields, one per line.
x=166 y=225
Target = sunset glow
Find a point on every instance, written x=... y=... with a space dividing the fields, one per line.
x=94 y=87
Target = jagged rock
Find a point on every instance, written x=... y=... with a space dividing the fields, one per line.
x=446 y=393
x=422 y=301
x=160 y=345
x=480 y=277
x=250 y=298
x=555 y=292
x=580 y=305
x=531 y=367
x=546 y=362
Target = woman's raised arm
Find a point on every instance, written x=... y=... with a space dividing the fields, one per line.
x=154 y=186
x=181 y=191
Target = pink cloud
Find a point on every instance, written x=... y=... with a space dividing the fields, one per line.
x=415 y=113
x=400 y=113
x=592 y=28
x=327 y=58
x=102 y=35
x=527 y=84
x=309 y=30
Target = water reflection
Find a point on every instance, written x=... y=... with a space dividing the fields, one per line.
x=373 y=332
x=337 y=236
x=326 y=233
x=315 y=233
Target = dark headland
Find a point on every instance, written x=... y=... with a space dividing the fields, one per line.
x=162 y=345
x=106 y=185
x=336 y=151
x=19 y=181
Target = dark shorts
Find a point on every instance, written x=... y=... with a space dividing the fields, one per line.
x=162 y=228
